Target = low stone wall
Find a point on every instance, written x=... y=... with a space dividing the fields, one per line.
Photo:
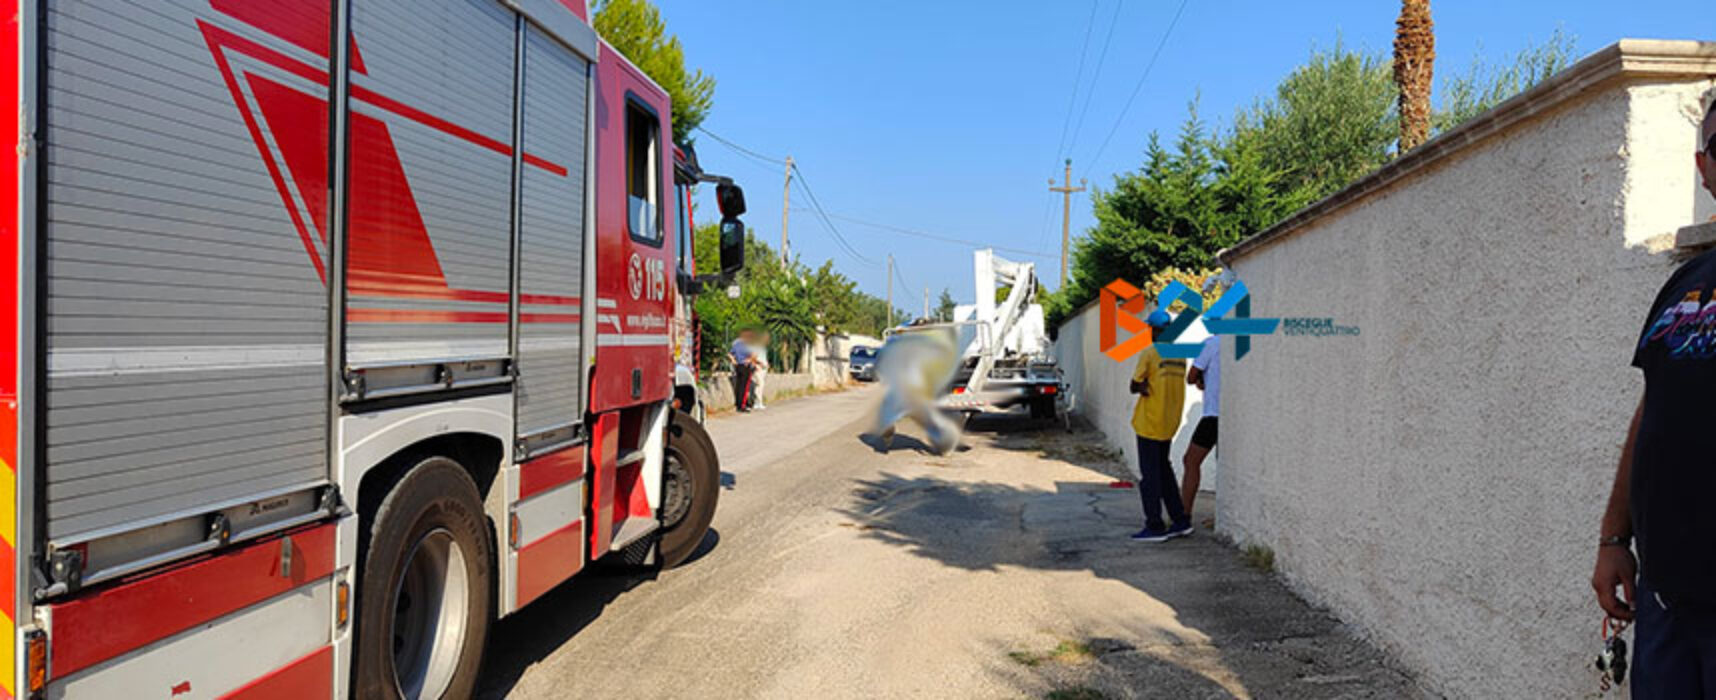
x=716 y=390
x=823 y=367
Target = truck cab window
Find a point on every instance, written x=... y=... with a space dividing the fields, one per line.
x=643 y=179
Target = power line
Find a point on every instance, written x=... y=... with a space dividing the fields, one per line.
x=1136 y=88
x=1078 y=76
x=827 y=219
x=804 y=184
x=938 y=237
x=902 y=281
x=741 y=149
x=816 y=208
x=1102 y=57
x=1048 y=208
x=894 y=275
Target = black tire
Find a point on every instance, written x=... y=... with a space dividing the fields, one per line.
x=433 y=509
x=690 y=458
x=1043 y=407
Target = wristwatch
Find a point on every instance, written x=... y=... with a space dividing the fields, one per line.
x=1615 y=541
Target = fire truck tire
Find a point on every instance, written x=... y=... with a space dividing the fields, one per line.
x=424 y=597
x=691 y=486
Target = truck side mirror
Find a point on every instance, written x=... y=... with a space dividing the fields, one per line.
x=732 y=242
x=731 y=199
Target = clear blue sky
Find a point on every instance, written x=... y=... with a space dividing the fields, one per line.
x=944 y=117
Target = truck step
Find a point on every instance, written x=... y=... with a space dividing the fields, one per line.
x=632 y=530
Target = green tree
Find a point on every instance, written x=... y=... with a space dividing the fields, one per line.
x=636 y=29
x=944 y=306
x=1330 y=122
x=834 y=299
x=1483 y=86
x=782 y=307
x=1176 y=211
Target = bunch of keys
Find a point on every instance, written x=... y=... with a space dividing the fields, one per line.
x=1613 y=659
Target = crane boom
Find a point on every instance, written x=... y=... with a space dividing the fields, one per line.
x=996 y=337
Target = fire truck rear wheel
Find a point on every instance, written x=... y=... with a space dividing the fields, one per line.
x=690 y=486
x=424 y=596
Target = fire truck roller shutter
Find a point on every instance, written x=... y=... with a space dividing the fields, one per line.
x=430 y=227
x=551 y=229
x=185 y=309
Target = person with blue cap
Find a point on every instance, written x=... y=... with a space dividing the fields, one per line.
x=1160 y=384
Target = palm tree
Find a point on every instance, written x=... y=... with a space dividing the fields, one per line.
x=1414 y=54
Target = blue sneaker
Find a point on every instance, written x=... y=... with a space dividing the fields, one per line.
x=1151 y=534
x=1181 y=530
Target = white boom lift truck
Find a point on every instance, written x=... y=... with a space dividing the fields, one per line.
x=1007 y=359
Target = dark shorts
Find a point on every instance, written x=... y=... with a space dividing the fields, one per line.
x=1205 y=434
x=1674 y=648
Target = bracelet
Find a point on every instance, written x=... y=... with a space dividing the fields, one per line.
x=1615 y=541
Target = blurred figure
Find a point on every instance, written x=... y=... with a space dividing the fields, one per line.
x=1160 y=384
x=915 y=366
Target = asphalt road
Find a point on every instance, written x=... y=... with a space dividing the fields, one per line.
x=1002 y=571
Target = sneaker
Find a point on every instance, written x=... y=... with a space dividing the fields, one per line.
x=1181 y=530
x=1150 y=534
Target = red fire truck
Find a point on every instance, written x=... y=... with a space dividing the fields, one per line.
x=338 y=329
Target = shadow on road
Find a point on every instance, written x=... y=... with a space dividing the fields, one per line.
x=901 y=442
x=1226 y=628
x=525 y=638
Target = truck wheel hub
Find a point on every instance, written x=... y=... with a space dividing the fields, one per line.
x=429 y=615
x=676 y=489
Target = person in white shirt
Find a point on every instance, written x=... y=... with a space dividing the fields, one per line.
x=760 y=351
x=1206 y=376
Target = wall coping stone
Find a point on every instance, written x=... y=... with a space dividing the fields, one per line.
x=1695 y=238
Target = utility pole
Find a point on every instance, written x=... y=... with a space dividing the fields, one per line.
x=890 y=323
x=786 y=198
x=1066 y=189
x=926 y=302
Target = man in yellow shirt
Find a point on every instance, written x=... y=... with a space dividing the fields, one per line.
x=1161 y=387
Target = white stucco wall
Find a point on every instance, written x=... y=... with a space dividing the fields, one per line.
x=1101 y=392
x=1438 y=480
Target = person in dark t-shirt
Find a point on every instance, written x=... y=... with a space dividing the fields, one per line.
x=1663 y=503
